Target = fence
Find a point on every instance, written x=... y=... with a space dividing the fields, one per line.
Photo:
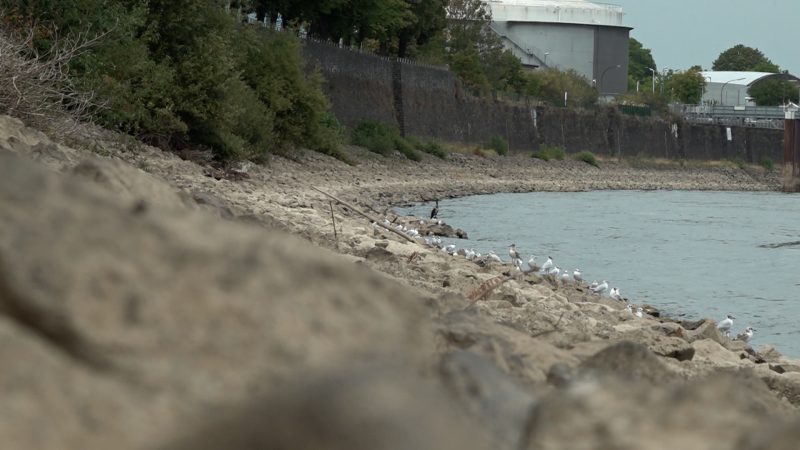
x=744 y=116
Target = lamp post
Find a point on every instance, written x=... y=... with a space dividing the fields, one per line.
x=545 y=58
x=602 y=75
x=722 y=89
x=702 y=97
x=654 y=78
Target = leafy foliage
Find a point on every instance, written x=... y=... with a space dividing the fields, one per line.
x=639 y=60
x=687 y=87
x=380 y=138
x=587 y=157
x=773 y=92
x=548 y=152
x=181 y=73
x=431 y=147
x=499 y=145
x=743 y=58
x=550 y=85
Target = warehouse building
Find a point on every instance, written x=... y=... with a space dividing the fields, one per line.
x=567 y=34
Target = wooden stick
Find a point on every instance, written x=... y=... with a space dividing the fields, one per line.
x=333 y=221
x=365 y=215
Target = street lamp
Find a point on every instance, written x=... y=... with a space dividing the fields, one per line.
x=654 y=79
x=702 y=97
x=722 y=89
x=602 y=75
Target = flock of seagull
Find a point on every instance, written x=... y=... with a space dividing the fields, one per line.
x=550 y=268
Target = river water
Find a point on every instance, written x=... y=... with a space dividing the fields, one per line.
x=691 y=254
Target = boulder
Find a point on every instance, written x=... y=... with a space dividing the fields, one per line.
x=706 y=330
x=494 y=398
x=627 y=361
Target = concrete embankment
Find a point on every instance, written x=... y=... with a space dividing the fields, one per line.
x=151 y=302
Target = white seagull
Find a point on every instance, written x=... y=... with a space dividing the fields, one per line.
x=555 y=271
x=726 y=324
x=547 y=265
x=614 y=294
x=565 y=278
x=577 y=275
x=493 y=256
x=532 y=264
x=639 y=312
x=745 y=335
x=602 y=287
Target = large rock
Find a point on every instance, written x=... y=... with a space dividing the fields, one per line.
x=715 y=412
x=628 y=361
x=131 y=318
x=707 y=330
x=492 y=396
x=364 y=409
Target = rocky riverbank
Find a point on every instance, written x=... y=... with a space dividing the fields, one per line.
x=151 y=302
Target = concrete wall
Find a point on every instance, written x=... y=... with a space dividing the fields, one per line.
x=428 y=102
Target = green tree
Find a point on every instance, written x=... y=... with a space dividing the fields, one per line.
x=550 y=85
x=639 y=60
x=687 y=87
x=773 y=92
x=743 y=58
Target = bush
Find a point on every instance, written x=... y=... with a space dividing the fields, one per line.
x=499 y=145
x=546 y=153
x=587 y=157
x=375 y=137
x=766 y=163
x=380 y=138
x=432 y=148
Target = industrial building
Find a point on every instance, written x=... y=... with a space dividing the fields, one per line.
x=567 y=34
x=730 y=88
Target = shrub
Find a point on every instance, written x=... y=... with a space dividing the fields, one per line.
x=375 y=137
x=546 y=153
x=432 y=148
x=499 y=145
x=380 y=138
x=407 y=149
x=587 y=157
x=766 y=163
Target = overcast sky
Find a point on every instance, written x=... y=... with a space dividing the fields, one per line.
x=682 y=33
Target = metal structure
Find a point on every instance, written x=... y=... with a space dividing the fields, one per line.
x=587 y=37
x=791 y=152
x=745 y=116
x=731 y=88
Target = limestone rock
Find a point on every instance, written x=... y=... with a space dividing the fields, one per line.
x=491 y=395
x=367 y=409
x=706 y=330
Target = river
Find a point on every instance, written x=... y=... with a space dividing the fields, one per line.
x=691 y=254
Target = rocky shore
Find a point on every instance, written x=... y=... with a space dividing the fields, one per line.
x=148 y=301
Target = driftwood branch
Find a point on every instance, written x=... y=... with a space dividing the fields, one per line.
x=365 y=215
x=486 y=287
x=333 y=222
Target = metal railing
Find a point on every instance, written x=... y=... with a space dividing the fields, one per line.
x=747 y=116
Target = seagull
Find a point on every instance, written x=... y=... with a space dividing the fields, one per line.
x=451 y=249
x=639 y=312
x=577 y=275
x=518 y=264
x=614 y=294
x=602 y=287
x=547 y=265
x=470 y=254
x=629 y=308
x=726 y=324
x=745 y=335
x=555 y=271
x=532 y=264
x=513 y=253
x=493 y=256
x=565 y=277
